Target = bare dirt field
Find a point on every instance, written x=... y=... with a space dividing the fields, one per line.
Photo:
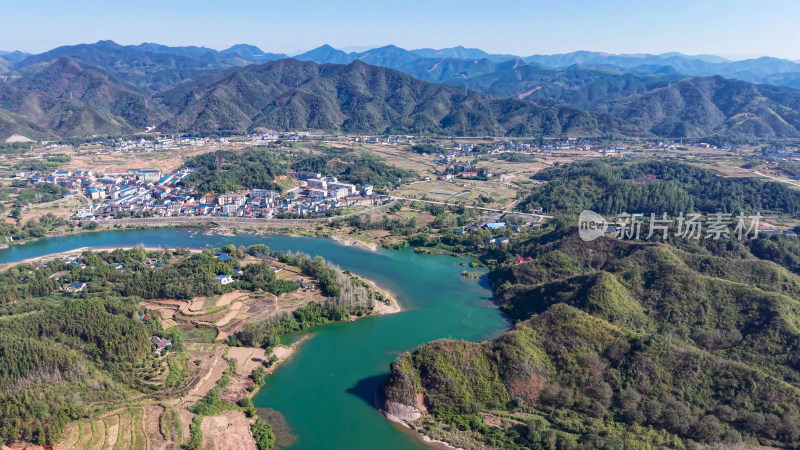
x=112 y=431
x=59 y=208
x=186 y=418
x=247 y=359
x=227 y=298
x=164 y=160
x=130 y=427
x=211 y=368
x=236 y=390
x=401 y=156
x=232 y=313
x=282 y=352
x=228 y=431
x=151 y=414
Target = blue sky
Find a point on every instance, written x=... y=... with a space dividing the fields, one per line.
x=728 y=27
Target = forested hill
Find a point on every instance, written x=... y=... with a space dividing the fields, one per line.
x=612 y=187
x=706 y=106
x=625 y=343
x=290 y=94
x=666 y=105
x=67 y=354
x=620 y=344
x=71 y=99
x=227 y=171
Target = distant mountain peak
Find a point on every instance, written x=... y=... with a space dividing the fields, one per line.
x=108 y=43
x=65 y=63
x=240 y=47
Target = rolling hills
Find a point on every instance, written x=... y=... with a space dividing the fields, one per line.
x=659 y=343
x=706 y=106
x=620 y=344
x=290 y=94
x=69 y=99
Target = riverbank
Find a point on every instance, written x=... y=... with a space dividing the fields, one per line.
x=354 y=242
x=345 y=361
x=417 y=432
x=79 y=250
x=379 y=307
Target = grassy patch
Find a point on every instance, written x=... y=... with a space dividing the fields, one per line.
x=203 y=333
x=138 y=440
x=171 y=425
x=178 y=369
x=124 y=433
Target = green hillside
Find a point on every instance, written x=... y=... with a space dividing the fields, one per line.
x=613 y=187
x=289 y=94
x=63 y=361
x=706 y=106
x=70 y=99
x=624 y=344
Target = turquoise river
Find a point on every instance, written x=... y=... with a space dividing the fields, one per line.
x=325 y=391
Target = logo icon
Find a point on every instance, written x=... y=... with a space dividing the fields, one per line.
x=591 y=225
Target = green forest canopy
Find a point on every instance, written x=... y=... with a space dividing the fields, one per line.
x=612 y=187
x=230 y=171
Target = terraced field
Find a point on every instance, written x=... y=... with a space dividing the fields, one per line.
x=112 y=431
x=135 y=427
x=124 y=437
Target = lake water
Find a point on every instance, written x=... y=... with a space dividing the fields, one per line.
x=325 y=390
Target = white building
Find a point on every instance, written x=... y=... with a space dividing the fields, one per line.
x=351 y=189
x=317 y=183
x=317 y=193
x=340 y=193
x=236 y=199
x=150 y=175
x=263 y=193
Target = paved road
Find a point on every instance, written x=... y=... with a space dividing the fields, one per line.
x=541 y=216
x=235 y=221
x=755 y=172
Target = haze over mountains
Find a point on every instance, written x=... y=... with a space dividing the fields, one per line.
x=106 y=88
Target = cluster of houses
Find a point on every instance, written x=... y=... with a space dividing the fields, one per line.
x=788 y=233
x=65 y=178
x=315 y=197
x=457 y=168
x=125 y=145
x=318 y=193
x=151 y=193
x=116 y=186
x=784 y=154
x=73 y=261
x=568 y=145
x=384 y=140
x=451 y=156
x=496 y=226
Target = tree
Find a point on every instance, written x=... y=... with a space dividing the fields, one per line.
x=263 y=435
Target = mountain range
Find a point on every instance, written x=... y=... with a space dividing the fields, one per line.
x=107 y=88
x=360 y=98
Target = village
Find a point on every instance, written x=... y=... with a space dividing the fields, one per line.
x=151 y=193
x=482 y=172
